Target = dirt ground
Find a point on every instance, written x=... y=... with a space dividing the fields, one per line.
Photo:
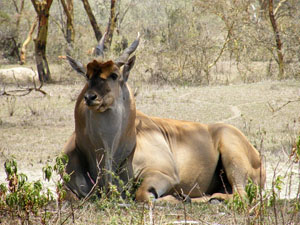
x=34 y=128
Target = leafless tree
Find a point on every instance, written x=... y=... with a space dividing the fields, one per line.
x=111 y=23
x=92 y=19
x=27 y=41
x=272 y=16
x=42 y=9
x=69 y=32
x=19 y=10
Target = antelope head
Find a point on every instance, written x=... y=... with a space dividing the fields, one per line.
x=105 y=78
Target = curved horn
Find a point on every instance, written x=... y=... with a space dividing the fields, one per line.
x=99 y=50
x=128 y=51
x=76 y=66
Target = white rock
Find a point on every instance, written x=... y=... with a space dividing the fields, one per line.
x=18 y=75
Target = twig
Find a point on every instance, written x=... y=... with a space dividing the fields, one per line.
x=280 y=107
x=260 y=189
x=151 y=207
x=143 y=214
x=297 y=198
x=278 y=6
x=130 y=6
x=16 y=6
x=222 y=49
x=73 y=215
x=274 y=194
x=87 y=197
x=184 y=210
x=25 y=91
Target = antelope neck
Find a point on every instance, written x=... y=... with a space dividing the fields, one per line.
x=109 y=129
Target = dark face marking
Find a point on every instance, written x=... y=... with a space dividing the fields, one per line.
x=103 y=85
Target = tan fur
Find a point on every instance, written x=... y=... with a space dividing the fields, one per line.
x=104 y=69
x=172 y=158
x=104 y=136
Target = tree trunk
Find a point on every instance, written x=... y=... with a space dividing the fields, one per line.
x=26 y=42
x=69 y=12
x=92 y=19
x=42 y=10
x=279 y=60
x=16 y=38
x=111 y=23
x=19 y=12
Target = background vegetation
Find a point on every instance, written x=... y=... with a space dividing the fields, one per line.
x=194 y=41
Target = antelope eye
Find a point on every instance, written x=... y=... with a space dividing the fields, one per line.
x=114 y=76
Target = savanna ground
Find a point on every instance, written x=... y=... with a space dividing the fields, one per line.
x=34 y=128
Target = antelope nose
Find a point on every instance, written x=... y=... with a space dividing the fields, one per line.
x=89 y=98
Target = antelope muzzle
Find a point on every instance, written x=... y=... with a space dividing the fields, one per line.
x=91 y=99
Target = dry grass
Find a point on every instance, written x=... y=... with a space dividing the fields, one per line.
x=39 y=127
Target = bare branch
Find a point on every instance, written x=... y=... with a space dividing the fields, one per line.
x=92 y=19
x=16 y=6
x=277 y=39
x=26 y=42
x=22 y=91
x=282 y=106
x=66 y=10
x=278 y=6
x=88 y=196
x=222 y=49
x=130 y=5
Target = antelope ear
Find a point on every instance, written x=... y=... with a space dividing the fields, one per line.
x=127 y=67
x=77 y=66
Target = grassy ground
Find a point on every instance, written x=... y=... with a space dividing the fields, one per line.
x=34 y=129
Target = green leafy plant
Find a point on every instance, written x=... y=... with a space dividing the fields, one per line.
x=59 y=168
x=237 y=203
x=276 y=188
x=21 y=197
x=118 y=192
x=243 y=203
x=252 y=191
x=295 y=154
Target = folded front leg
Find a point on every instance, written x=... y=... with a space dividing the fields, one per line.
x=154 y=185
